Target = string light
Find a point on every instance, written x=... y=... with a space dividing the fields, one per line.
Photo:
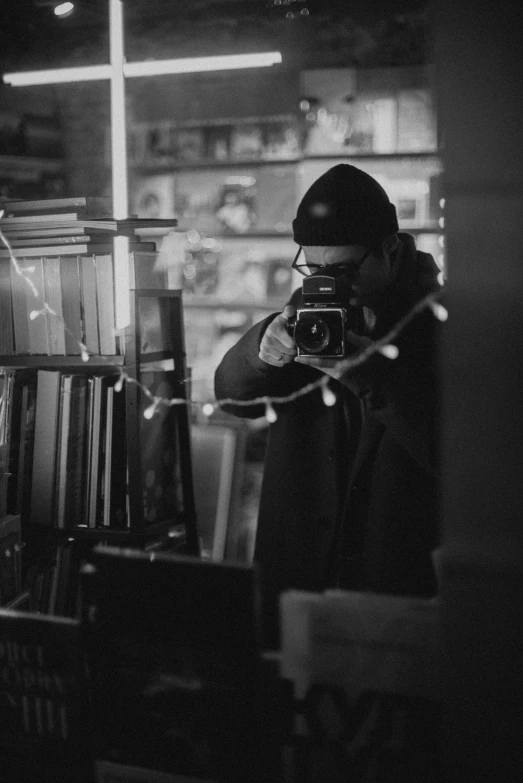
x=329 y=398
x=118 y=386
x=439 y=311
x=390 y=351
x=270 y=413
x=151 y=410
x=383 y=346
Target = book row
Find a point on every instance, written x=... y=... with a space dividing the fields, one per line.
x=54 y=305
x=65 y=450
x=65 y=440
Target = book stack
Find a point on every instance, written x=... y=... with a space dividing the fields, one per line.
x=63 y=274
x=68 y=226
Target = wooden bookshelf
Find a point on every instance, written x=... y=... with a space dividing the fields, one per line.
x=83 y=464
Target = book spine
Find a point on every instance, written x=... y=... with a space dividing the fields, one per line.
x=35 y=233
x=54 y=204
x=105 y=301
x=119 y=512
x=106 y=512
x=45 y=446
x=25 y=458
x=53 y=296
x=88 y=450
x=17 y=412
x=96 y=440
x=76 y=453
x=12 y=222
x=6 y=395
x=6 y=311
x=36 y=314
x=44 y=249
x=100 y=476
x=39 y=241
x=19 y=290
x=71 y=304
x=89 y=304
x=63 y=438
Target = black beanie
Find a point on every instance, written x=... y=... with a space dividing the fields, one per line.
x=345 y=206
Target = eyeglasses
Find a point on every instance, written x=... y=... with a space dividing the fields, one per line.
x=310 y=269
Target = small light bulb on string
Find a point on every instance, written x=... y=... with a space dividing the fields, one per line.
x=439 y=311
x=270 y=413
x=390 y=351
x=329 y=398
x=151 y=410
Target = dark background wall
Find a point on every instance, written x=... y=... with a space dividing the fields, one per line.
x=479 y=82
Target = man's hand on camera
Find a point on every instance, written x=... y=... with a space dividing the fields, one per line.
x=277 y=347
x=357 y=344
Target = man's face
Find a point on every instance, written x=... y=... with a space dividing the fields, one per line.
x=372 y=276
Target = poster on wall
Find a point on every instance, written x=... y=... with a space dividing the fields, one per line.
x=153 y=197
x=243 y=200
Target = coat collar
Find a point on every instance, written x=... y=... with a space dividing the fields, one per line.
x=414 y=276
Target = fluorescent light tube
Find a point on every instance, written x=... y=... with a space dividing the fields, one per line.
x=145 y=68
x=199 y=64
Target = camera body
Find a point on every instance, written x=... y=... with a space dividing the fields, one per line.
x=319 y=328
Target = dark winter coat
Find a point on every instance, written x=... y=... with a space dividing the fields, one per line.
x=350 y=492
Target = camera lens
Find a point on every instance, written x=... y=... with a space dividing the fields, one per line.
x=312 y=334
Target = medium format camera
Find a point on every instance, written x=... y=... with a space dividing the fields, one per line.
x=319 y=328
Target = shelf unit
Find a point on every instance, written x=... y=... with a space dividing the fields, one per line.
x=160 y=505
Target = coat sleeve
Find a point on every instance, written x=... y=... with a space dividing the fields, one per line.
x=403 y=394
x=243 y=376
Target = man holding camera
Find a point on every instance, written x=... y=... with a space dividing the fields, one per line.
x=350 y=491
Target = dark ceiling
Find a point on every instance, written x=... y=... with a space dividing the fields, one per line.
x=371 y=32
